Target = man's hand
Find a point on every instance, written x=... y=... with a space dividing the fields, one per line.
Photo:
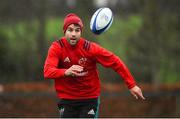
x=137 y=93
x=74 y=71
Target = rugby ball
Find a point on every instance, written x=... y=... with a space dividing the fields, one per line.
x=101 y=20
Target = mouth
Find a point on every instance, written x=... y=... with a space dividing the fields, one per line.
x=73 y=39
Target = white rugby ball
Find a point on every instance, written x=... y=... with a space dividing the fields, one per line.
x=101 y=20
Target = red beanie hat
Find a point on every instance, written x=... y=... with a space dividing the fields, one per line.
x=72 y=19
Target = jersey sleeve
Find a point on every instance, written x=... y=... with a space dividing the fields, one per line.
x=108 y=59
x=51 y=70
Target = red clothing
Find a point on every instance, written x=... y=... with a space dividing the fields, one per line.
x=62 y=55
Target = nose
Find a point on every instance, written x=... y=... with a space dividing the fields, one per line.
x=73 y=33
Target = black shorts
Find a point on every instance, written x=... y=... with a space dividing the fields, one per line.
x=86 y=108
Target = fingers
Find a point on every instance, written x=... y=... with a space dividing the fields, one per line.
x=74 y=74
x=141 y=95
x=75 y=70
x=137 y=93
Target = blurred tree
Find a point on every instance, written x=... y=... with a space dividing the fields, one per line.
x=149 y=51
x=41 y=40
x=4 y=64
x=25 y=18
x=85 y=9
x=152 y=53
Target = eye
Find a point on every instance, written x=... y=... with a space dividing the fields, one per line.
x=78 y=30
x=70 y=29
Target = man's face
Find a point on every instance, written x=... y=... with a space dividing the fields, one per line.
x=73 y=34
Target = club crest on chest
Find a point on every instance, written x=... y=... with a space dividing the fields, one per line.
x=82 y=61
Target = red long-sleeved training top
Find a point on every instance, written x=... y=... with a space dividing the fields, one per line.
x=62 y=55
